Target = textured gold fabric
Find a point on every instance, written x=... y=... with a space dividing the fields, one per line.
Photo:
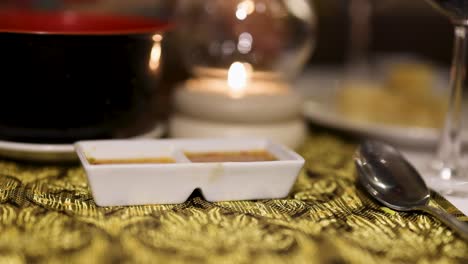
x=47 y=215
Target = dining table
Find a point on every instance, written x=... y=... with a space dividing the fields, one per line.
x=48 y=215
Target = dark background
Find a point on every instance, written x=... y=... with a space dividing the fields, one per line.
x=399 y=26
x=409 y=27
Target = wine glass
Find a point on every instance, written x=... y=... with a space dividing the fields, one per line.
x=360 y=34
x=448 y=176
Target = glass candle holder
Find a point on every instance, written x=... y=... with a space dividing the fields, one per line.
x=273 y=36
x=242 y=54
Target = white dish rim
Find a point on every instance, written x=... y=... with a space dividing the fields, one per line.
x=81 y=152
x=56 y=152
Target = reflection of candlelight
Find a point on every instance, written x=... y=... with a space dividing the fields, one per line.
x=244 y=9
x=155 y=56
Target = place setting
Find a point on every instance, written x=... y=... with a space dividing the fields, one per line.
x=209 y=133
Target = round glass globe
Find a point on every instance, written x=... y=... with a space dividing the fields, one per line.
x=272 y=36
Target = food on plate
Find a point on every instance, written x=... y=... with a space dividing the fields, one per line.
x=405 y=98
x=410 y=79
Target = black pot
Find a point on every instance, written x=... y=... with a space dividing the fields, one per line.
x=68 y=76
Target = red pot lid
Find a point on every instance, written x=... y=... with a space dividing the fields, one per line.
x=75 y=23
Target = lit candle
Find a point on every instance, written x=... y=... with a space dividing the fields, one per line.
x=240 y=98
x=238 y=102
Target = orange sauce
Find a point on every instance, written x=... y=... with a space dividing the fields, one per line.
x=235 y=156
x=163 y=160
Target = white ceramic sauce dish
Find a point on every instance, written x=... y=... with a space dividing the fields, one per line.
x=121 y=184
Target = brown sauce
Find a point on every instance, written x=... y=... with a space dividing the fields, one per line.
x=162 y=160
x=236 y=156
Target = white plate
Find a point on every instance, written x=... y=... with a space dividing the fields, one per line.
x=172 y=183
x=320 y=87
x=54 y=152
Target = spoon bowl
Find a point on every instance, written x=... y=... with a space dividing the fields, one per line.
x=393 y=181
x=389 y=177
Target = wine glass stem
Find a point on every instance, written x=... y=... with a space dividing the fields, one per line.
x=360 y=12
x=449 y=152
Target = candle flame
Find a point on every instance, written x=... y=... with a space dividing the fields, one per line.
x=238 y=76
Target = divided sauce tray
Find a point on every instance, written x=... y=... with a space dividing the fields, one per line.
x=175 y=177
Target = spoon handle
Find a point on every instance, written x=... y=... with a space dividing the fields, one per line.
x=456 y=225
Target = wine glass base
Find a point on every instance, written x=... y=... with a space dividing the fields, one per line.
x=443 y=181
x=452 y=187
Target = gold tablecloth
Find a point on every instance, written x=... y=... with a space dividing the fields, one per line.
x=47 y=215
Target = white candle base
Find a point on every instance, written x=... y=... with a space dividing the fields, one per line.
x=290 y=133
x=211 y=99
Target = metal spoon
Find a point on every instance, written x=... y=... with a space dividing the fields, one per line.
x=394 y=182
